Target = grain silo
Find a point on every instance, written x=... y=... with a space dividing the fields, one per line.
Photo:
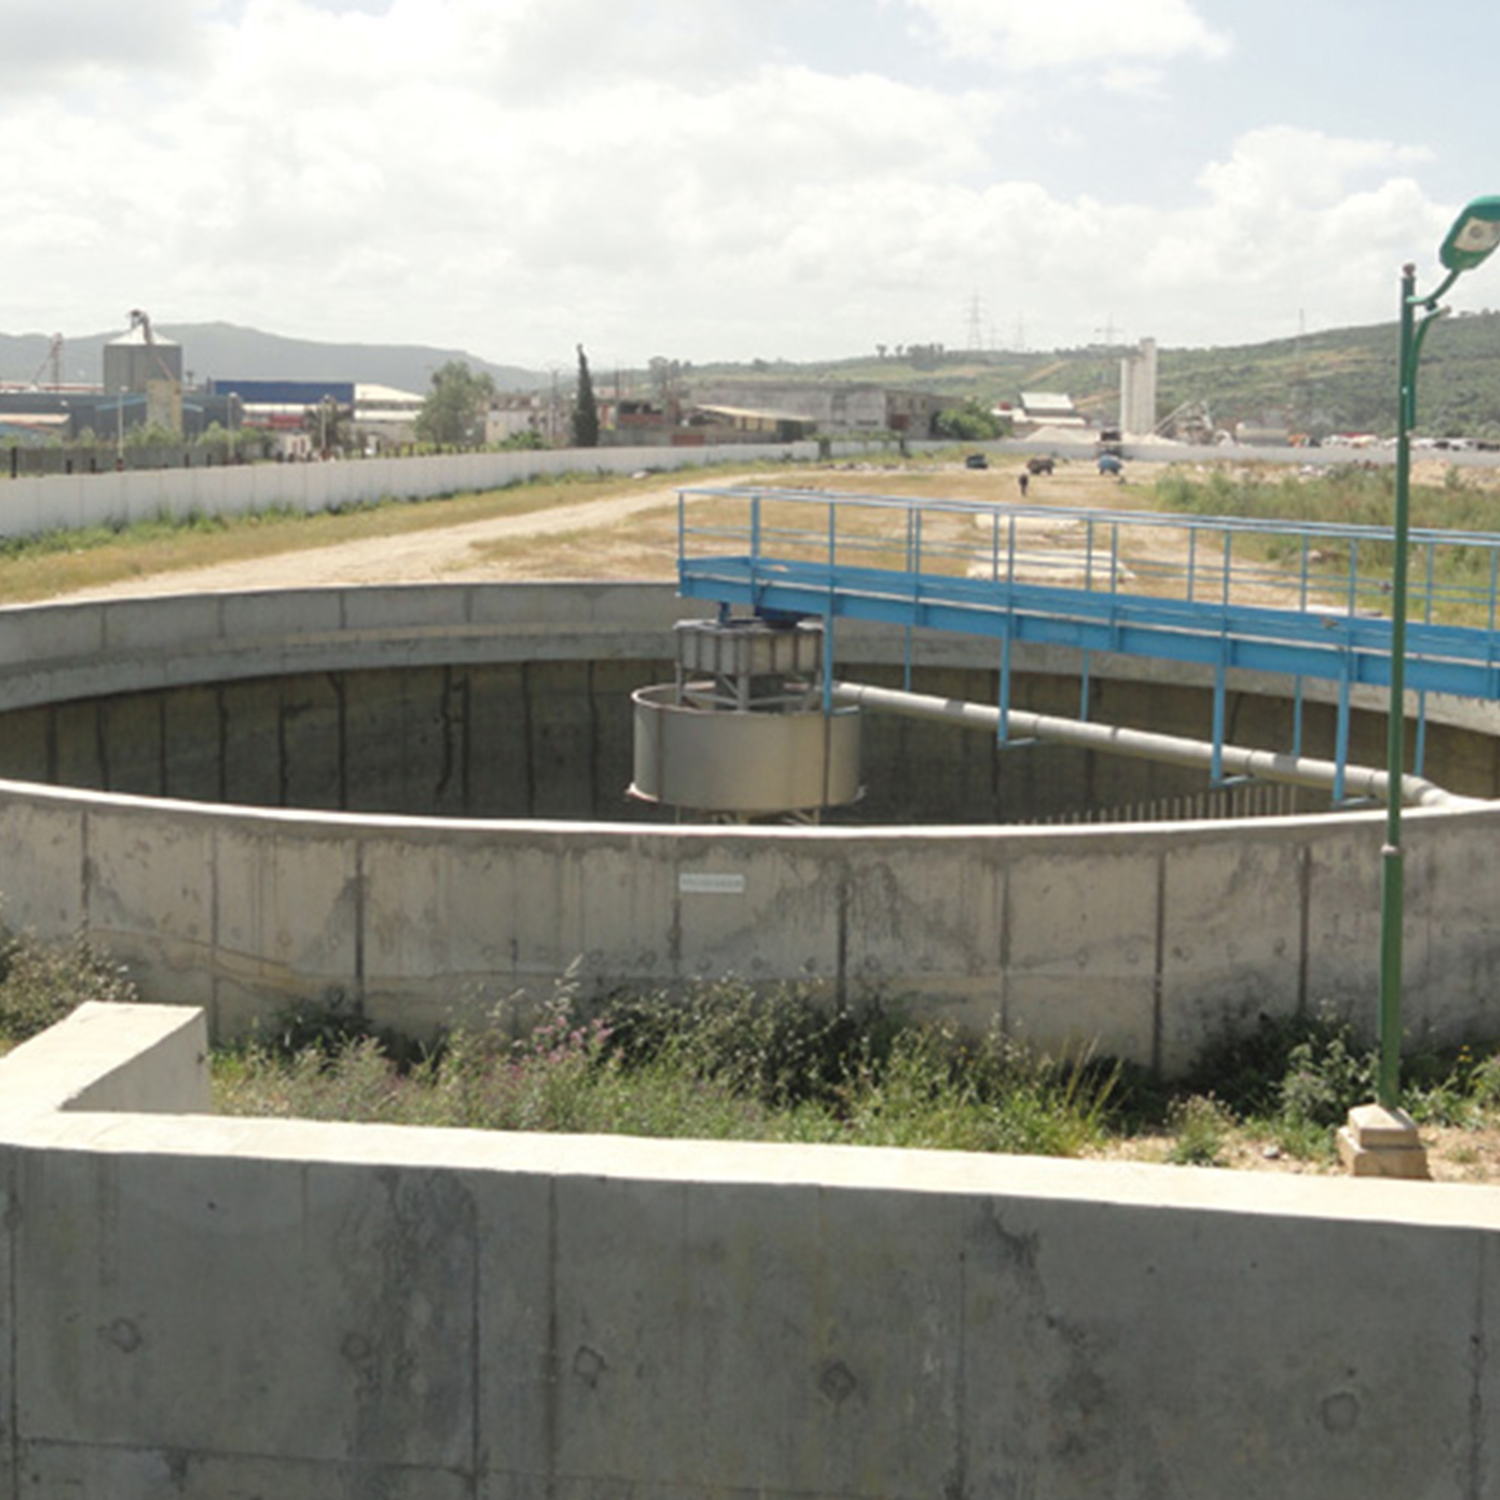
x=142 y=363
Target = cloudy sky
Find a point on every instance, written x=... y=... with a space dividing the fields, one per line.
x=736 y=179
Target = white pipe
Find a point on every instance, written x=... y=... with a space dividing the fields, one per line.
x=1144 y=744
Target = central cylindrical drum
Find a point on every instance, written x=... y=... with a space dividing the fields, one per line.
x=745 y=764
x=745 y=731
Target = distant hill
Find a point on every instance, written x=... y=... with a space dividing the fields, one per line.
x=1337 y=380
x=224 y=351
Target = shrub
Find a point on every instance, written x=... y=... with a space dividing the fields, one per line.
x=40 y=983
x=329 y=1028
x=783 y=1047
x=1327 y=1074
x=1291 y=1077
x=1298 y=1062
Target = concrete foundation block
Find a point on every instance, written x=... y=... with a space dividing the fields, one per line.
x=1380 y=1142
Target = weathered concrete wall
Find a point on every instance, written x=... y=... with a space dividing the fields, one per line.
x=1141 y=939
x=203 y=1307
x=1144 y=940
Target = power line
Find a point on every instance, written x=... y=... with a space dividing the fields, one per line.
x=976 y=322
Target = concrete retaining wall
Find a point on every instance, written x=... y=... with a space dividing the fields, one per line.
x=1141 y=939
x=199 y=1307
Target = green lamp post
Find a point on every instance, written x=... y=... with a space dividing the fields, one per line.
x=1474 y=236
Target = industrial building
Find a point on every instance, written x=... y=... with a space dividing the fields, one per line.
x=833 y=408
x=141 y=384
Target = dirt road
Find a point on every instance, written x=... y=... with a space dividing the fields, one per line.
x=625 y=536
x=634 y=536
x=503 y=547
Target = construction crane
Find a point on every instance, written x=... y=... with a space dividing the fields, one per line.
x=54 y=358
x=142 y=320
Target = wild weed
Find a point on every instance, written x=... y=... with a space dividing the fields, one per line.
x=1201 y=1126
x=41 y=982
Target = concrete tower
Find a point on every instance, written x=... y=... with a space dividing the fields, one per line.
x=1138 y=391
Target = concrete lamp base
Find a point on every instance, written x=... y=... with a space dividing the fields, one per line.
x=1380 y=1142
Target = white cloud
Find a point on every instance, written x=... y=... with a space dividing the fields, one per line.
x=1021 y=34
x=1281 y=166
x=1291 y=221
x=46 y=42
x=517 y=176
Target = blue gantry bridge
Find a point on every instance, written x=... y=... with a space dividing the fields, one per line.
x=1302 y=600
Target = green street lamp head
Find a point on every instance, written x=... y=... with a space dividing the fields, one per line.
x=1475 y=234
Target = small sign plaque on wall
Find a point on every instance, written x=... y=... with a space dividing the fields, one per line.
x=710 y=885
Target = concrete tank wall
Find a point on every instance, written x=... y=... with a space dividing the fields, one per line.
x=553 y=739
x=201 y=1308
x=318 y=700
x=1142 y=939
x=1144 y=942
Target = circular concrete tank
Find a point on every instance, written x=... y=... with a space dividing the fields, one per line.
x=441 y=775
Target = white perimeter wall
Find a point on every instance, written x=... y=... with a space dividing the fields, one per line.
x=52 y=502
x=200 y=1308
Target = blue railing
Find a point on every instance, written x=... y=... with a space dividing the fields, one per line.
x=1299 y=599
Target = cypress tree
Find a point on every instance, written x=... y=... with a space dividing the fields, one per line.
x=585 y=408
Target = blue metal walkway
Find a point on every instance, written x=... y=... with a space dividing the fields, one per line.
x=1298 y=600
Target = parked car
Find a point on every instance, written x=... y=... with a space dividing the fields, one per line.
x=976 y=461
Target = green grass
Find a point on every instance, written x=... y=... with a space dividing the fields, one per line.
x=1461 y=575
x=1345 y=495
x=721 y=1063
x=725 y=1063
